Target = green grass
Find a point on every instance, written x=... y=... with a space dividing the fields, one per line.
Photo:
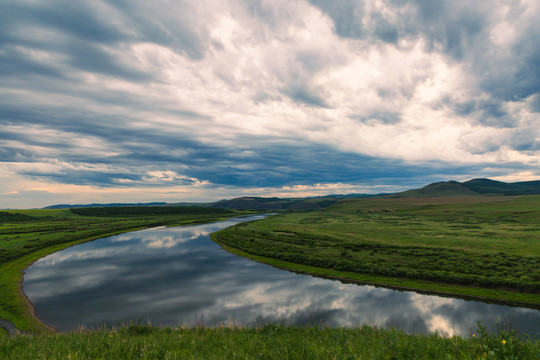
x=266 y=342
x=56 y=213
x=35 y=233
x=482 y=247
x=51 y=230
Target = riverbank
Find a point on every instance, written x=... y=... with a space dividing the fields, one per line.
x=265 y=342
x=43 y=232
x=475 y=247
x=422 y=287
x=16 y=307
x=9 y=328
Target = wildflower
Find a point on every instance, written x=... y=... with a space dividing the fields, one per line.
x=473 y=335
x=504 y=342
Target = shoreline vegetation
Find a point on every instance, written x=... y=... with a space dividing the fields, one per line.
x=485 y=248
x=423 y=287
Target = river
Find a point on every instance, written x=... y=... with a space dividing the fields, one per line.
x=178 y=276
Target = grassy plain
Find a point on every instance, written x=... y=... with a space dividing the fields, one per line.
x=27 y=235
x=267 y=342
x=24 y=240
x=482 y=247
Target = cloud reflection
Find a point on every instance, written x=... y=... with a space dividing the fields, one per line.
x=173 y=276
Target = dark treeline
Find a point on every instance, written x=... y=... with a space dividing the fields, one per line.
x=148 y=211
x=9 y=217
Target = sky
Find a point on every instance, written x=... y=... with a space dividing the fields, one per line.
x=194 y=101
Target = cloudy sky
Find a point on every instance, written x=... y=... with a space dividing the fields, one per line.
x=184 y=100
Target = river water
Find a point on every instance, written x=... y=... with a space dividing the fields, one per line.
x=178 y=276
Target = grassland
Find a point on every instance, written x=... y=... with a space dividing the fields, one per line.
x=481 y=247
x=27 y=235
x=267 y=342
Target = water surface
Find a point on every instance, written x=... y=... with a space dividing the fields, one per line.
x=178 y=276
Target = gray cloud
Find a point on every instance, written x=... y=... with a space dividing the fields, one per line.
x=460 y=30
x=525 y=140
x=254 y=161
x=346 y=16
x=78 y=21
x=267 y=94
x=485 y=112
x=384 y=30
x=76 y=36
x=450 y=25
x=445 y=25
x=174 y=25
x=96 y=60
x=382 y=116
x=17 y=65
x=535 y=103
x=514 y=75
x=81 y=36
x=306 y=96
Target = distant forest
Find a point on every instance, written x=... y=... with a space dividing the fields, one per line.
x=147 y=210
x=9 y=217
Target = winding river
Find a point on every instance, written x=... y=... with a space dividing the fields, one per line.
x=178 y=276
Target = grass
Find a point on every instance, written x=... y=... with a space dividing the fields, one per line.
x=266 y=342
x=481 y=247
x=27 y=235
x=25 y=240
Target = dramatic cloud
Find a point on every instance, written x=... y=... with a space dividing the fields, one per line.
x=199 y=100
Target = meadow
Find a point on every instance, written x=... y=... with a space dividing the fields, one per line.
x=353 y=231
x=484 y=247
x=265 y=342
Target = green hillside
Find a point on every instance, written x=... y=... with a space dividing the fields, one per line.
x=449 y=188
x=472 y=187
x=260 y=203
x=487 y=186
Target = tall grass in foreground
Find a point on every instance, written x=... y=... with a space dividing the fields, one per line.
x=267 y=342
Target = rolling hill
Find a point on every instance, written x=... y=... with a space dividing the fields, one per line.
x=274 y=203
x=67 y=206
x=487 y=186
x=471 y=188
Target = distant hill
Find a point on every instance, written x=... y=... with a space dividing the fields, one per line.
x=147 y=210
x=487 y=186
x=448 y=188
x=65 y=206
x=274 y=203
x=258 y=203
x=241 y=203
x=472 y=187
x=438 y=189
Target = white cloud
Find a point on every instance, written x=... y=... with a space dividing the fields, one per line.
x=450 y=83
x=518 y=176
